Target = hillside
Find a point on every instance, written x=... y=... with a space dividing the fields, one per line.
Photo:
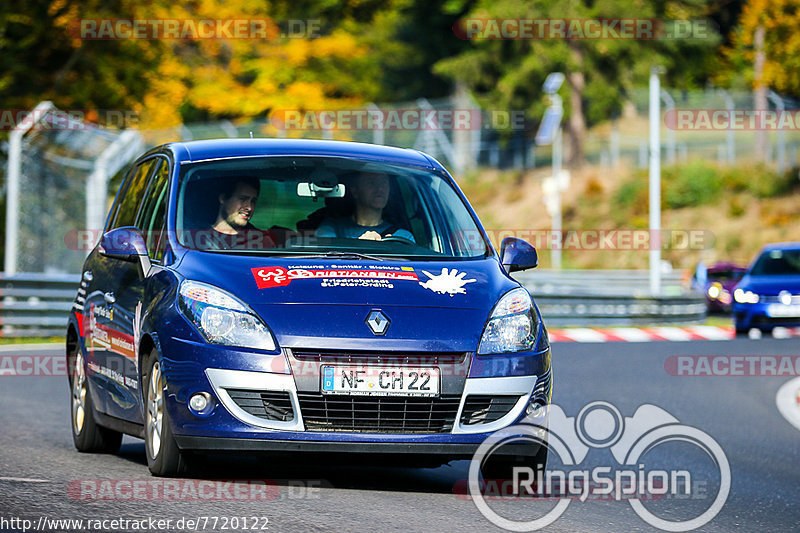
x=730 y=212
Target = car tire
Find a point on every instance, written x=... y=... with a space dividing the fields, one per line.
x=164 y=458
x=502 y=468
x=740 y=331
x=87 y=434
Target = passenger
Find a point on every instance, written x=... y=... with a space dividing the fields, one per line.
x=232 y=228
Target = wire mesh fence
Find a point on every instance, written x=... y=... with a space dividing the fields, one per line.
x=504 y=139
x=57 y=191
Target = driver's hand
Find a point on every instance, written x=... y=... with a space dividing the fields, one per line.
x=371 y=235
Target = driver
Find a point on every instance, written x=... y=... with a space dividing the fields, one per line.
x=371 y=194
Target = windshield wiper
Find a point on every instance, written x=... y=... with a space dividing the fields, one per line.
x=350 y=255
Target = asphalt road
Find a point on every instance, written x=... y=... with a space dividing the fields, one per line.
x=41 y=473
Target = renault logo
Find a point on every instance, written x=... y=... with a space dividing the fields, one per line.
x=378 y=322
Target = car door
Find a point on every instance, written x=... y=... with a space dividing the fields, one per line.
x=104 y=341
x=129 y=296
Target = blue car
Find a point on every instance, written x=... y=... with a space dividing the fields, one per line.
x=769 y=294
x=265 y=295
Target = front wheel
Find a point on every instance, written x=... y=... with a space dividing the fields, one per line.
x=88 y=436
x=164 y=458
x=502 y=467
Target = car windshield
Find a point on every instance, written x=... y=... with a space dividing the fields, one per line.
x=323 y=206
x=777 y=263
x=726 y=275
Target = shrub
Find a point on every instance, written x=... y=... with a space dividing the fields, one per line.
x=767 y=183
x=694 y=184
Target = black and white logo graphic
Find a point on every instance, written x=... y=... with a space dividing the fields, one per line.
x=633 y=442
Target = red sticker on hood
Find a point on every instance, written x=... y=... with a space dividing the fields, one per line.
x=267 y=277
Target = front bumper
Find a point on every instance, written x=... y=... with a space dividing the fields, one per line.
x=452 y=451
x=191 y=367
x=224 y=380
x=759 y=316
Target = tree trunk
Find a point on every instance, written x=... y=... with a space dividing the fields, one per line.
x=760 y=89
x=576 y=128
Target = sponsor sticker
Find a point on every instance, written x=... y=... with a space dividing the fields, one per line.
x=269 y=277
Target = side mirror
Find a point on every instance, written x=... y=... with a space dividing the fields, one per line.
x=126 y=244
x=517 y=254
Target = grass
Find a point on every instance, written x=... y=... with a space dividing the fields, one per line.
x=30 y=340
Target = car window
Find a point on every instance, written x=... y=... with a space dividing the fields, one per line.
x=777 y=263
x=316 y=205
x=131 y=196
x=152 y=215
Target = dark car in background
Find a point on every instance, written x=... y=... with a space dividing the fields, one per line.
x=720 y=280
x=768 y=296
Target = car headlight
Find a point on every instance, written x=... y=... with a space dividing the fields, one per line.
x=713 y=291
x=745 y=297
x=725 y=297
x=222 y=318
x=512 y=325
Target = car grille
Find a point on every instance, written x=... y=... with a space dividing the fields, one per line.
x=761 y=320
x=400 y=358
x=480 y=409
x=269 y=405
x=378 y=414
x=775 y=299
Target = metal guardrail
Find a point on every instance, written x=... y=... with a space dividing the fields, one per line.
x=595 y=310
x=37 y=305
x=611 y=298
x=601 y=282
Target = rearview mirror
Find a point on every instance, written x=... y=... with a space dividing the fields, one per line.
x=314 y=190
x=518 y=254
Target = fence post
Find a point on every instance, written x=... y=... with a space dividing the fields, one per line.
x=12 y=190
x=463 y=157
x=781 y=107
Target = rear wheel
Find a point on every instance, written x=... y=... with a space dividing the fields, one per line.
x=164 y=458
x=87 y=435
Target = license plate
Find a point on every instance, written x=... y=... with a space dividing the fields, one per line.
x=781 y=310
x=380 y=381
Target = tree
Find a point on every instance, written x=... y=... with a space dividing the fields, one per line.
x=508 y=74
x=780 y=20
x=42 y=59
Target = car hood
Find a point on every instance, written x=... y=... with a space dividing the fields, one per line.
x=770 y=285
x=324 y=303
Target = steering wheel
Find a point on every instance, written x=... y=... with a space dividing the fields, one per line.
x=398 y=238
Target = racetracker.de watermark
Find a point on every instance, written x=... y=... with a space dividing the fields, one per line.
x=732 y=365
x=193 y=29
x=412 y=119
x=597 y=239
x=67 y=119
x=542 y=29
x=193 y=490
x=732 y=119
x=33 y=365
x=586 y=240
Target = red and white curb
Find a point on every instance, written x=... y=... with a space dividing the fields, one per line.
x=666 y=333
x=788 y=402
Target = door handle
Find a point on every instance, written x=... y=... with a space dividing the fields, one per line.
x=109 y=298
x=87 y=275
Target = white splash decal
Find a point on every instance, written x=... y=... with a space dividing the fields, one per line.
x=448 y=282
